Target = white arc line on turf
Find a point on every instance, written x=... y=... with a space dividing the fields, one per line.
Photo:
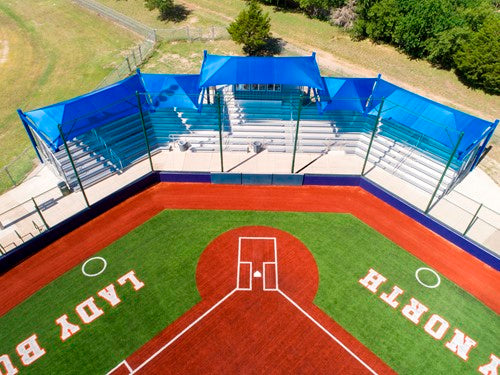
x=328 y=333
x=178 y=335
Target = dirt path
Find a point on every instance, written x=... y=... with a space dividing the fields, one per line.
x=4 y=51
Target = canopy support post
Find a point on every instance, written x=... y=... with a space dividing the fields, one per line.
x=73 y=164
x=444 y=172
x=219 y=113
x=22 y=116
x=296 y=133
x=40 y=213
x=473 y=221
x=375 y=128
x=144 y=130
x=483 y=146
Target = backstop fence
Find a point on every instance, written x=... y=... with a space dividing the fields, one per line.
x=284 y=132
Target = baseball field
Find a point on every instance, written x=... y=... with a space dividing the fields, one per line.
x=188 y=279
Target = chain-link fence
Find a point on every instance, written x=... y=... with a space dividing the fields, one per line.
x=123 y=20
x=191 y=33
x=14 y=173
x=134 y=59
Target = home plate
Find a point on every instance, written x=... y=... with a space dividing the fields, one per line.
x=257 y=274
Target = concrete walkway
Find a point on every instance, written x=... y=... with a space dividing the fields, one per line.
x=20 y=219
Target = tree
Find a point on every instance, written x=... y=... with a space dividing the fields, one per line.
x=252 y=29
x=164 y=6
x=344 y=16
x=478 y=61
x=319 y=8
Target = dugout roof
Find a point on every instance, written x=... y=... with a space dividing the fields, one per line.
x=231 y=70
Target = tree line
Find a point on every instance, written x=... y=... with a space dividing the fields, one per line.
x=462 y=35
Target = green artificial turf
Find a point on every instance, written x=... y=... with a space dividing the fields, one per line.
x=164 y=252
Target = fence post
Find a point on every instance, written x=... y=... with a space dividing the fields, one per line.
x=73 y=164
x=472 y=222
x=140 y=53
x=373 y=136
x=40 y=213
x=188 y=33
x=10 y=176
x=296 y=133
x=135 y=59
x=128 y=64
x=213 y=33
x=444 y=172
x=144 y=130
x=220 y=130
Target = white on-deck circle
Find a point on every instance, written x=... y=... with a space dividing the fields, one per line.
x=426 y=285
x=104 y=265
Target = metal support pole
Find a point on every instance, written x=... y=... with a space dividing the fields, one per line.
x=296 y=133
x=144 y=130
x=473 y=220
x=373 y=136
x=40 y=213
x=444 y=172
x=73 y=165
x=140 y=53
x=219 y=112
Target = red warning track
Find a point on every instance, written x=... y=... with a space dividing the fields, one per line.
x=466 y=271
x=265 y=328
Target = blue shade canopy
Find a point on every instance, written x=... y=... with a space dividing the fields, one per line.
x=432 y=119
x=168 y=90
x=83 y=113
x=346 y=94
x=231 y=70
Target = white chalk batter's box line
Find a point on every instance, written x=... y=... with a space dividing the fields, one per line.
x=275 y=262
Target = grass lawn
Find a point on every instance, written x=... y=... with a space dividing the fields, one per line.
x=164 y=253
x=57 y=50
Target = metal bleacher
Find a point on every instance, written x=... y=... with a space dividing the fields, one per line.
x=272 y=123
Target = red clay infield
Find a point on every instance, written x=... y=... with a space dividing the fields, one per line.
x=255 y=328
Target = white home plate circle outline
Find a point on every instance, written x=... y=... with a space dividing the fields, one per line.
x=430 y=270
x=105 y=264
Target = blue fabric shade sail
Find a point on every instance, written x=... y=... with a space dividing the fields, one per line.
x=346 y=94
x=81 y=114
x=361 y=95
x=231 y=70
x=432 y=119
x=168 y=91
